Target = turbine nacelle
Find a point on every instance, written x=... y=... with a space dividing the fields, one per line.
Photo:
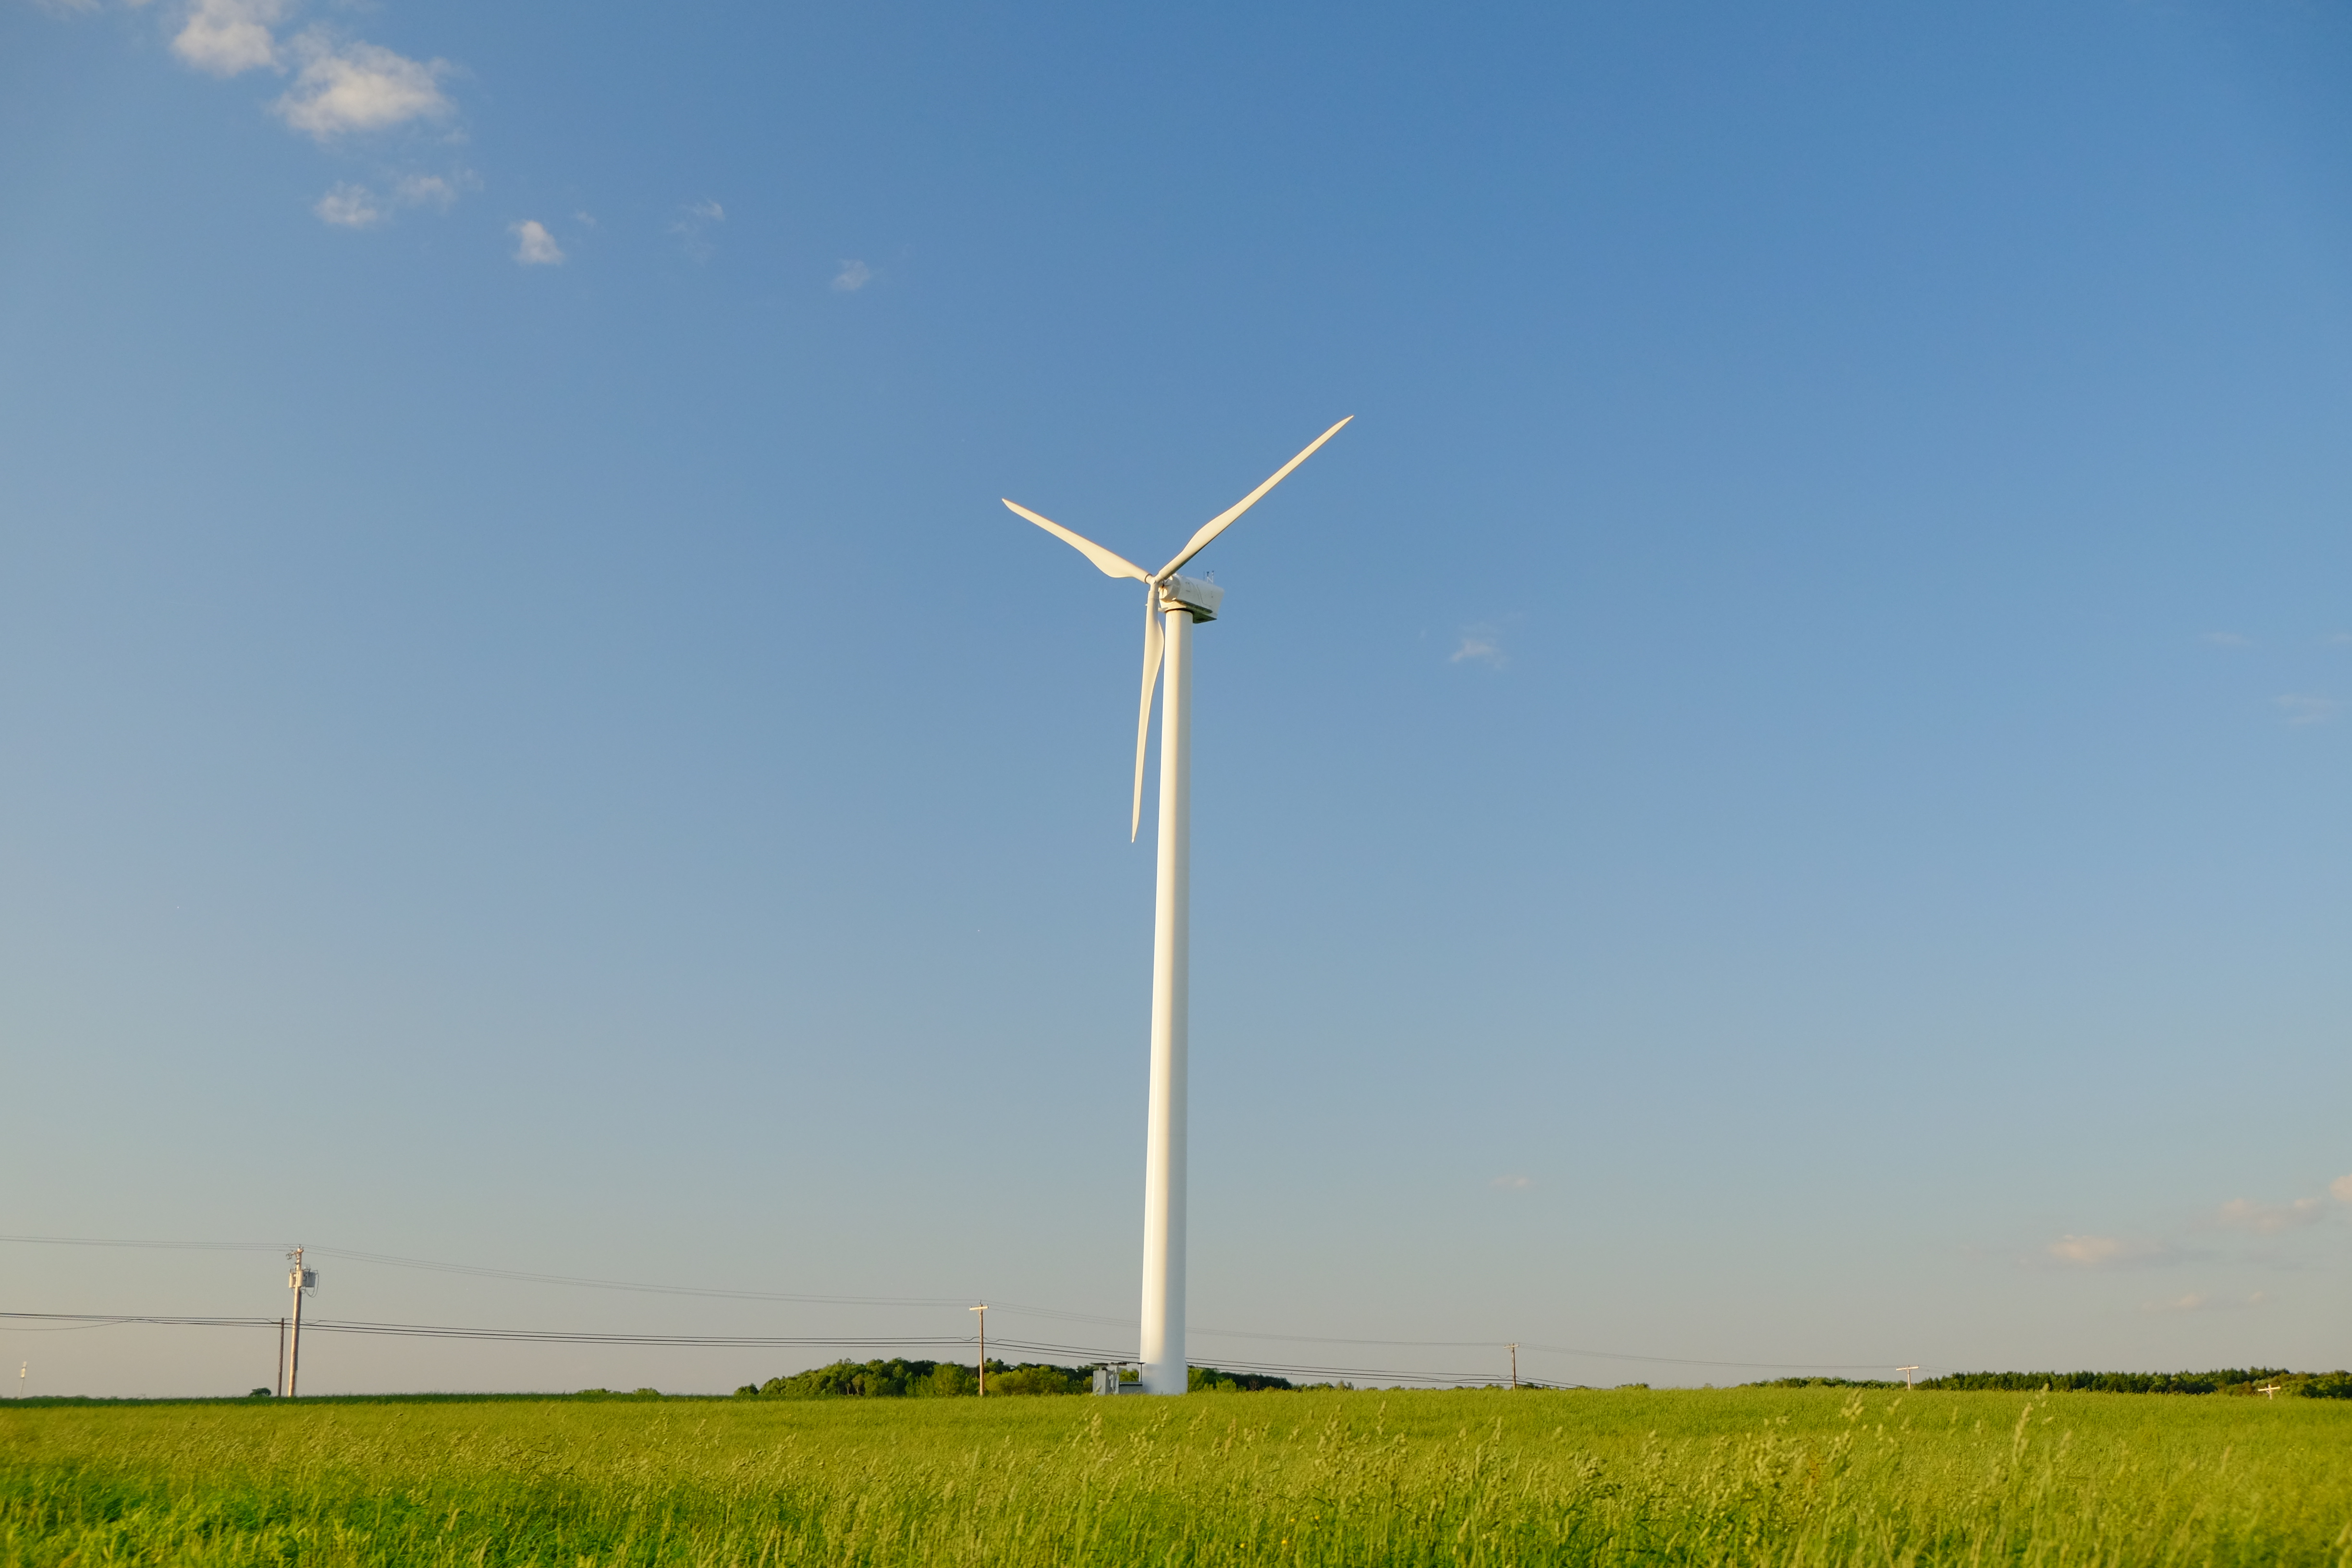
x=1190 y=594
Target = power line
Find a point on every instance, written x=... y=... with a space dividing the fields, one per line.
x=712 y=1342
x=1050 y=1313
x=1080 y=1353
x=173 y=1246
x=553 y=1336
x=394 y=1261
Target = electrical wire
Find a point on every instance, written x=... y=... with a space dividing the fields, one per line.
x=173 y=1246
x=1084 y=1354
x=1008 y=1307
x=483 y=1271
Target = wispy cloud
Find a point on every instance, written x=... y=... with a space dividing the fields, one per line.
x=2308 y=709
x=2196 y=1302
x=229 y=38
x=2226 y=640
x=2102 y=1251
x=352 y=87
x=853 y=276
x=693 y=226
x=430 y=190
x=1481 y=644
x=2268 y=1219
x=350 y=206
x=1513 y=1183
x=534 y=246
x=340 y=87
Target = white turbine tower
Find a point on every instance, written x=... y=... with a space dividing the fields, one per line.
x=1178 y=602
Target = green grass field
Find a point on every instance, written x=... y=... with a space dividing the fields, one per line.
x=1745 y=1477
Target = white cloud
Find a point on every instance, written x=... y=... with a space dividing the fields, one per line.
x=853 y=276
x=1480 y=645
x=359 y=87
x=225 y=37
x=2308 y=709
x=357 y=207
x=2087 y=1249
x=698 y=217
x=2268 y=1219
x=2342 y=1189
x=350 y=206
x=2226 y=640
x=427 y=190
x=534 y=246
x=2101 y=1251
x=1513 y=1183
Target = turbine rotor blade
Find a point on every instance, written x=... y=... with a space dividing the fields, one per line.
x=1153 y=638
x=1223 y=519
x=1109 y=563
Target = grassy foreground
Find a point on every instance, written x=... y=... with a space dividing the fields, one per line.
x=1747 y=1477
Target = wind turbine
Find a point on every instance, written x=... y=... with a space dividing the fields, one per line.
x=1175 y=603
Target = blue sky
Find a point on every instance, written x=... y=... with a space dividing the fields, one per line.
x=1777 y=797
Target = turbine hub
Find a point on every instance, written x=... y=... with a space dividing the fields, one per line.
x=1192 y=594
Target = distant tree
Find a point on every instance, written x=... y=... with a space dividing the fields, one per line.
x=894 y=1379
x=2228 y=1379
x=1210 y=1380
x=261 y=1394
x=1038 y=1378
x=901 y=1379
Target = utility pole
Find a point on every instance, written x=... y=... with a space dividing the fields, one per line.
x=281 y=1358
x=1515 y=1363
x=298 y=1280
x=1906 y=1371
x=21 y=1371
x=982 y=1310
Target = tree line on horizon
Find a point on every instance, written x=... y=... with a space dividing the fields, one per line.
x=898 y=1378
x=2243 y=1381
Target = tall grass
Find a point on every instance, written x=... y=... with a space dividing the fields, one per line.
x=1743 y=1477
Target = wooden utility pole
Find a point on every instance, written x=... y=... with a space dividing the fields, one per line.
x=982 y=1310
x=299 y=1279
x=1515 y=1363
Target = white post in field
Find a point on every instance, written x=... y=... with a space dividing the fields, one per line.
x=294 y=1362
x=1164 y=1368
